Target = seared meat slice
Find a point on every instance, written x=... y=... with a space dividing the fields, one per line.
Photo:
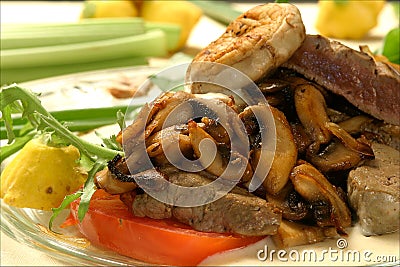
x=373 y=191
x=373 y=87
x=237 y=212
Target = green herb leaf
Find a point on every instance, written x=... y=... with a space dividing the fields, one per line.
x=121 y=119
x=67 y=200
x=6 y=115
x=110 y=142
x=89 y=189
x=391 y=46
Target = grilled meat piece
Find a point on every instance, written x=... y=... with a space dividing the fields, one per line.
x=255 y=43
x=373 y=191
x=373 y=87
x=237 y=212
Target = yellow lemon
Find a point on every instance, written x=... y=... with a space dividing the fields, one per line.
x=182 y=13
x=347 y=19
x=40 y=176
x=108 y=8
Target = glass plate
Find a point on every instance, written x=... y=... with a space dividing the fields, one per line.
x=29 y=226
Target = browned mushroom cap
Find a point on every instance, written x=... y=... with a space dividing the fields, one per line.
x=272 y=85
x=251 y=125
x=335 y=157
x=358 y=145
x=336 y=116
x=167 y=141
x=149 y=120
x=314 y=187
x=285 y=154
x=129 y=136
x=218 y=163
x=290 y=202
x=216 y=130
x=108 y=181
x=116 y=179
x=301 y=139
x=347 y=153
x=292 y=234
x=354 y=124
x=113 y=178
x=311 y=110
x=165 y=105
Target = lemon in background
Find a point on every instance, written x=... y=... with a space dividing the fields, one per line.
x=108 y=9
x=347 y=19
x=182 y=13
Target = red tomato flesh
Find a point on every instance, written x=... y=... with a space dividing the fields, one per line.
x=109 y=224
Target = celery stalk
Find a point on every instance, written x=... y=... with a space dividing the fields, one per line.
x=151 y=43
x=46 y=34
x=13 y=37
x=172 y=31
x=15 y=75
x=92 y=23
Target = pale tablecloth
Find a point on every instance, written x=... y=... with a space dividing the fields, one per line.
x=14 y=253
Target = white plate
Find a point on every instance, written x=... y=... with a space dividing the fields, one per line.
x=29 y=226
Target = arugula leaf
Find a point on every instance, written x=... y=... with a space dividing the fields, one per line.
x=89 y=189
x=6 y=115
x=43 y=121
x=110 y=142
x=121 y=119
x=67 y=200
x=95 y=155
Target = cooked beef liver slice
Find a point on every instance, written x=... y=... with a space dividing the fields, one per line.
x=373 y=191
x=237 y=212
x=373 y=87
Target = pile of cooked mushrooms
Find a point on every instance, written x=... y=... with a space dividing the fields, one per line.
x=320 y=136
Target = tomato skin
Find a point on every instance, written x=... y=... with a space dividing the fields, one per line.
x=109 y=224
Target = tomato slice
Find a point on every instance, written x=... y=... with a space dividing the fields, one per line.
x=109 y=224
